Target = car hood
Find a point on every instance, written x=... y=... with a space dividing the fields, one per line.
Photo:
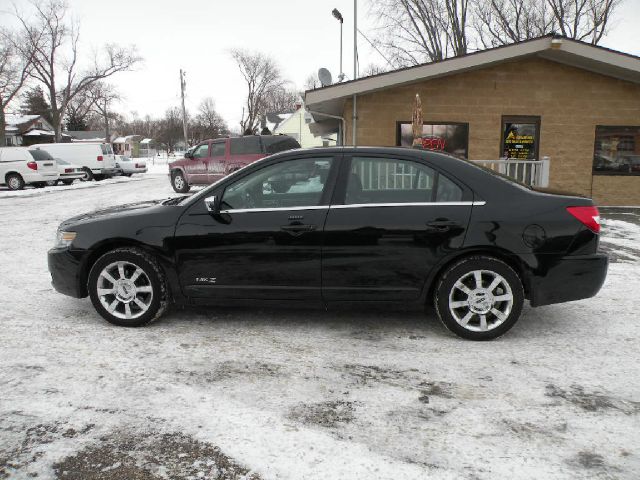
x=126 y=210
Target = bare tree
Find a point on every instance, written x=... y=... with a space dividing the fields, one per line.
x=55 y=42
x=263 y=78
x=416 y=31
x=373 y=69
x=500 y=22
x=102 y=96
x=15 y=67
x=207 y=123
x=170 y=128
x=312 y=82
x=281 y=100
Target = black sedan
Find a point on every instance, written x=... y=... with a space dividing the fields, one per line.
x=340 y=226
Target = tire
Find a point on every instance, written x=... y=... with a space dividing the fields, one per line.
x=88 y=174
x=179 y=183
x=15 y=181
x=146 y=297
x=127 y=174
x=462 y=311
x=52 y=183
x=67 y=182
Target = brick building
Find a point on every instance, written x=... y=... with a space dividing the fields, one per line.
x=573 y=102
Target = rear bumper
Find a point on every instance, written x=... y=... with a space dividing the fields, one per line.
x=65 y=273
x=105 y=171
x=568 y=278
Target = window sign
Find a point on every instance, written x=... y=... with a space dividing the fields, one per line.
x=520 y=137
x=617 y=150
x=452 y=138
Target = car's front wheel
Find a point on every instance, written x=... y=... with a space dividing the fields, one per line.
x=128 y=288
x=479 y=298
x=179 y=183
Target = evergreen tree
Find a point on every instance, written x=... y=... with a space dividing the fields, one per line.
x=34 y=103
x=76 y=123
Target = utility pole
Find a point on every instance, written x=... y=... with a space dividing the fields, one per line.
x=183 y=84
x=355 y=71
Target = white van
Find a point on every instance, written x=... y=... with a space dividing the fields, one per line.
x=20 y=166
x=96 y=159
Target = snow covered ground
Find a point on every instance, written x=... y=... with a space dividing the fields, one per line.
x=233 y=393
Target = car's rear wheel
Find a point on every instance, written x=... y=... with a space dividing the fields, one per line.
x=479 y=298
x=179 y=183
x=128 y=288
x=88 y=174
x=15 y=181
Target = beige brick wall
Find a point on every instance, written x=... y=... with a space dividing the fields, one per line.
x=569 y=101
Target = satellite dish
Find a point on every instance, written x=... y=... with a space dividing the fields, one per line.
x=324 y=76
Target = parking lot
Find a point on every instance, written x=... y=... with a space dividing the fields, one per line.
x=261 y=394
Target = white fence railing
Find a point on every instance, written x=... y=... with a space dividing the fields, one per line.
x=530 y=172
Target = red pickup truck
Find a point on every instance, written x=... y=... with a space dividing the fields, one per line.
x=211 y=160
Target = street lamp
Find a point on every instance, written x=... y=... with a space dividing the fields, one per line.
x=338 y=16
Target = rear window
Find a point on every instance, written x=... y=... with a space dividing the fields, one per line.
x=245 y=145
x=106 y=149
x=279 y=143
x=40 y=155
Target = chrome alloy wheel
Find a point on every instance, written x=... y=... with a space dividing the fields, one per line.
x=178 y=181
x=124 y=290
x=480 y=300
x=14 y=183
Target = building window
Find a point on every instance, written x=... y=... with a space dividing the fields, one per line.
x=617 y=151
x=445 y=137
x=520 y=138
x=9 y=141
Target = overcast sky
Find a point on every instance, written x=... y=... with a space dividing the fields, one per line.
x=196 y=35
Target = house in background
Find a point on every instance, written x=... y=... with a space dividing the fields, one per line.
x=128 y=145
x=296 y=125
x=25 y=130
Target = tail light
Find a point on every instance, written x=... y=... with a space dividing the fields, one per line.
x=99 y=158
x=32 y=165
x=588 y=216
x=68 y=170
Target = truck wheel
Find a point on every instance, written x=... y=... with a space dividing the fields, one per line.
x=15 y=181
x=128 y=288
x=179 y=183
x=479 y=298
x=88 y=174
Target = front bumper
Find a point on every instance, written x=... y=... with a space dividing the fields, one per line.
x=65 y=269
x=568 y=278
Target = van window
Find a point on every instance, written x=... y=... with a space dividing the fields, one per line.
x=245 y=145
x=106 y=149
x=278 y=143
x=40 y=155
x=218 y=149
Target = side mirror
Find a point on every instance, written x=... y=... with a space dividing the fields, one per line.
x=212 y=204
x=188 y=155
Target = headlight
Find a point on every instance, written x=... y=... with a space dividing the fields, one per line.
x=64 y=239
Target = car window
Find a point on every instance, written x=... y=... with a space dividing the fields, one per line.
x=218 y=149
x=245 y=145
x=278 y=143
x=202 y=151
x=292 y=183
x=388 y=180
x=61 y=161
x=447 y=190
x=40 y=154
x=125 y=159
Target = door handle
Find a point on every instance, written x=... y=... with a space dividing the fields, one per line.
x=298 y=229
x=442 y=225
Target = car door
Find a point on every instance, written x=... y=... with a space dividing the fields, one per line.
x=216 y=164
x=393 y=220
x=266 y=241
x=197 y=165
